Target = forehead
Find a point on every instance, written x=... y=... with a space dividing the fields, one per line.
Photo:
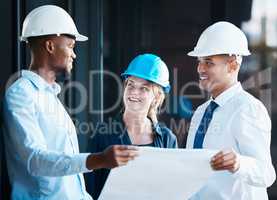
x=64 y=39
x=137 y=80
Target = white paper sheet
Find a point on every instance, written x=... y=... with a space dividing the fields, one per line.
x=159 y=174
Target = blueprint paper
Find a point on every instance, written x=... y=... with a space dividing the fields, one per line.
x=160 y=174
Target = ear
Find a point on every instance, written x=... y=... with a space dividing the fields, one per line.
x=233 y=66
x=49 y=46
x=156 y=101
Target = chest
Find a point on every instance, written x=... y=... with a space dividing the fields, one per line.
x=220 y=132
x=55 y=123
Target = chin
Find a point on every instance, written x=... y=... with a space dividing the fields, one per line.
x=135 y=109
x=203 y=87
x=208 y=87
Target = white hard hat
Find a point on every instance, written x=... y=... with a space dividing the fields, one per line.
x=221 y=38
x=49 y=20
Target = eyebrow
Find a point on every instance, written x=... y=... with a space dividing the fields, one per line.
x=144 y=84
x=209 y=59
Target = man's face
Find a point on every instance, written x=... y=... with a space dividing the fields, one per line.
x=63 y=54
x=215 y=74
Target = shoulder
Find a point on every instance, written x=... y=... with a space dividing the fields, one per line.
x=20 y=92
x=166 y=132
x=251 y=112
x=202 y=107
x=20 y=85
x=197 y=114
x=167 y=135
x=247 y=103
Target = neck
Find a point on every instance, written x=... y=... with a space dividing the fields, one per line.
x=136 y=122
x=218 y=92
x=43 y=70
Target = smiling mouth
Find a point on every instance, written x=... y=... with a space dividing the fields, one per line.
x=133 y=99
x=203 y=77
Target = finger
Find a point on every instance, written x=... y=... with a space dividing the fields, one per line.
x=216 y=156
x=126 y=153
x=126 y=147
x=118 y=164
x=122 y=161
x=224 y=158
x=223 y=165
x=231 y=168
x=126 y=159
x=133 y=148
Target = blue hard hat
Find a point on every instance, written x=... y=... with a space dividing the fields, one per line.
x=151 y=68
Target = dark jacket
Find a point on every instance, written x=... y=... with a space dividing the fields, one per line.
x=114 y=132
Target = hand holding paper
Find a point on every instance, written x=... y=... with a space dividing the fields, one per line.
x=226 y=160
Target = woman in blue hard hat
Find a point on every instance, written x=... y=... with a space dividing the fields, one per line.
x=146 y=81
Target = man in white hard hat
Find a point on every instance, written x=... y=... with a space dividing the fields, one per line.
x=232 y=121
x=41 y=143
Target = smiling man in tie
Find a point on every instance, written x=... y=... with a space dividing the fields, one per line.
x=232 y=121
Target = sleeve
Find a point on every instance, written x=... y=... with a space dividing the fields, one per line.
x=26 y=141
x=253 y=136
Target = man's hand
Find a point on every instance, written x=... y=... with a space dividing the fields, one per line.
x=225 y=160
x=113 y=156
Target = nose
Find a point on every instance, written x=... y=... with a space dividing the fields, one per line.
x=73 y=54
x=200 y=67
x=134 y=91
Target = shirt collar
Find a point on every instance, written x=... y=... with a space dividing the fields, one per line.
x=157 y=129
x=40 y=83
x=228 y=94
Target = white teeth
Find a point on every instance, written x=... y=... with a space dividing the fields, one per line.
x=133 y=99
x=203 y=77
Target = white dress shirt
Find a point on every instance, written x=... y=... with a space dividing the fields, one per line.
x=241 y=122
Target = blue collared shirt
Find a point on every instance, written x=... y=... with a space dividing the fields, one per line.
x=41 y=143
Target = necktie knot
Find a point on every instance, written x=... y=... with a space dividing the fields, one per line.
x=212 y=106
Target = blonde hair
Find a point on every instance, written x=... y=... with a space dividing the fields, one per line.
x=157 y=102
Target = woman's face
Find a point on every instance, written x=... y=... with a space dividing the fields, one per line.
x=138 y=95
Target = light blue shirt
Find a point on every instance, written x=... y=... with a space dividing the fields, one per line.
x=41 y=143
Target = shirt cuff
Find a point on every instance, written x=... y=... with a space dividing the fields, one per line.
x=245 y=163
x=81 y=160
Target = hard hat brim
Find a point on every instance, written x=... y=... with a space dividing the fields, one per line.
x=78 y=37
x=81 y=38
x=166 y=86
x=205 y=54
